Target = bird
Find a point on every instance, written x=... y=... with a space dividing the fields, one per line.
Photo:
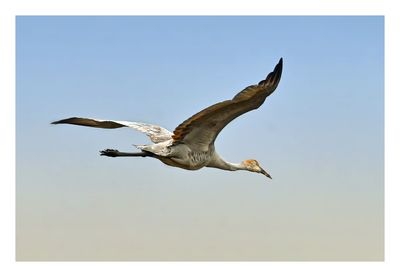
x=191 y=145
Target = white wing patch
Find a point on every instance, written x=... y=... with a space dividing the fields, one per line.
x=154 y=132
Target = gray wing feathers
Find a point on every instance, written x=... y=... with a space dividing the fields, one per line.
x=155 y=133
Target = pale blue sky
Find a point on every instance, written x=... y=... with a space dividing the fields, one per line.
x=320 y=136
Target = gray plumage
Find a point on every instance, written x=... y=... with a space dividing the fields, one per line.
x=191 y=145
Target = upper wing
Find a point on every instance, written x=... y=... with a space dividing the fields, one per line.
x=155 y=133
x=201 y=129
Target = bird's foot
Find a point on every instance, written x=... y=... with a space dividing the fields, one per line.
x=109 y=153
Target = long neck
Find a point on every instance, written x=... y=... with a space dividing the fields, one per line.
x=233 y=166
x=220 y=163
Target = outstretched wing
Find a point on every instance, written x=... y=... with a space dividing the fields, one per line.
x=200 y=130
x=155 y=133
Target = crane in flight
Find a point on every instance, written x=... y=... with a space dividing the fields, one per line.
x=191 y=145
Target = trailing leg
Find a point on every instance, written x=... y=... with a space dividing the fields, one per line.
x=115 y=153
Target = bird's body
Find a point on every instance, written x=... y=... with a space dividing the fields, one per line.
x=182 y=156
x=191 y=145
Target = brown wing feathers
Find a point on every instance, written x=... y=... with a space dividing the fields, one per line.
x=248 y=99
x=89 y=122
x=269 y=83
x=185 y=127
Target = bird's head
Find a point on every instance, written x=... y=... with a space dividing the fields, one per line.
x=254 y=166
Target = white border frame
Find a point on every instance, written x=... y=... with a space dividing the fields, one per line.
x=8 y=11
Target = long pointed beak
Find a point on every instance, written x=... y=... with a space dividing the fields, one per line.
x=265 y=173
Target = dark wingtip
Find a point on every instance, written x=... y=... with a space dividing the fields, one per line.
x=274 y=77
x=278 y=71
x=58 y=122
x=67 y=120
x=279 y=65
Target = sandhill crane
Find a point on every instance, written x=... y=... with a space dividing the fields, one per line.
x=191 y=145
